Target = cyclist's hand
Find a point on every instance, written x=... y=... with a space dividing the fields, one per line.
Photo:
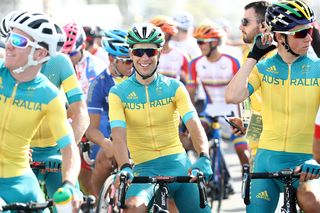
x=53 y=163
x=77 y=196
x=262 y=45
x=309 y=170
x=239 y=123
x=204 y=165
x=126 y=170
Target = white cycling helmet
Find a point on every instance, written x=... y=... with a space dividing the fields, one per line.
x=41 y=28
x=184 y=20
x=4 y=29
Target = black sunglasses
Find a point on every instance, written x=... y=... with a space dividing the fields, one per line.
x=246 y=21
x=139 y=52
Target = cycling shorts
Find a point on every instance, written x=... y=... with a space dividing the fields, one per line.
x=265 y=192
x=170 y=165
x=23 y=189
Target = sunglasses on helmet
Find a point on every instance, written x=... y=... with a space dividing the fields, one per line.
x=301 y=33
x=21 y=41
x=139 y=52
x=127 y=61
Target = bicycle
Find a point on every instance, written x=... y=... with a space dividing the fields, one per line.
x=287 y=176
x=217 y=188
x=107 y=201
x=160 y=200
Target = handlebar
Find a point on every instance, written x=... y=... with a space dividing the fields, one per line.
x=284 y=174
x=27 y=207
x=162 y=180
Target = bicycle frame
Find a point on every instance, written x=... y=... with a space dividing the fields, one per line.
x=286 y=175
x=160 y=203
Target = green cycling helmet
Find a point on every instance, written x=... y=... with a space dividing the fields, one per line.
x=145 y=33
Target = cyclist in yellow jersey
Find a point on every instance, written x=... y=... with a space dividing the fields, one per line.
x=290 y=95
x=27 y=98
x=144 y=115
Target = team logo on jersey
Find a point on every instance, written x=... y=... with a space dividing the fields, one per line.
x=305 y=68
x=273 y=69
x=132 y=95
x=159 y=90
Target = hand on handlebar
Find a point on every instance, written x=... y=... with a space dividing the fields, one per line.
x=77 y=196
x=203 y=165
x=309 y=170
x=53 y=163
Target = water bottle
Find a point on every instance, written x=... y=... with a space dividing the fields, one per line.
x=63 y=200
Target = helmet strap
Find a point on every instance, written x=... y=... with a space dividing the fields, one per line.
x=115 y=68
x=30 y=62
x=287 y=47
x=212 y=48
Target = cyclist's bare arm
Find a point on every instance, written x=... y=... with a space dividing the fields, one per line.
x=70 y=163
x=120 y=148
x=316 y=149
x=237 y=91
x=80 y=119
x=198 y=136
x=94 y=135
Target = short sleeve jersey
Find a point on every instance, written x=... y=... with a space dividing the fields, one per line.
x=151 y=115
x=59 y=70
x=290 y=100
x=23 y=107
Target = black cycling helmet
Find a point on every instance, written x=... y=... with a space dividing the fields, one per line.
x=286 y=14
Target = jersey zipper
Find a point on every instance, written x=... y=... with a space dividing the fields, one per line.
x=149 y=118
x=6 y=113
x=287 y=108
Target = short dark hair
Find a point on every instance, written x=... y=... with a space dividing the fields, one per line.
x=259 y=7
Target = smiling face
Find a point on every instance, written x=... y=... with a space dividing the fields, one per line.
x=145 y=64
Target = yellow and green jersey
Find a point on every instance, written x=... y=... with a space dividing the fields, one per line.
x=290 y=100
x=23 y=108
x=151 y=115
x=59 y=70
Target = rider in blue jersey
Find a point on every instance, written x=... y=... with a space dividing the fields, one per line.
x=99 y=129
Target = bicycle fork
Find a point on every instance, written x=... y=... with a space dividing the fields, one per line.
x=289 y=204
x=161 y=199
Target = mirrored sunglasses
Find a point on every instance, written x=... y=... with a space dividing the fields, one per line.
x=127 y=61
x=139 y=52
x=21 y=41
x=301 y=33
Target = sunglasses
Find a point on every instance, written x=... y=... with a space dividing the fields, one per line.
x=203 y=41
x=149 y=51
x=245 y=21
x=127 y=61
x=301 y=33
x=21 y=41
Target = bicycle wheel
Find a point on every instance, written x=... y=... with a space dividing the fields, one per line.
x=107 y=201
x=217 y=184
